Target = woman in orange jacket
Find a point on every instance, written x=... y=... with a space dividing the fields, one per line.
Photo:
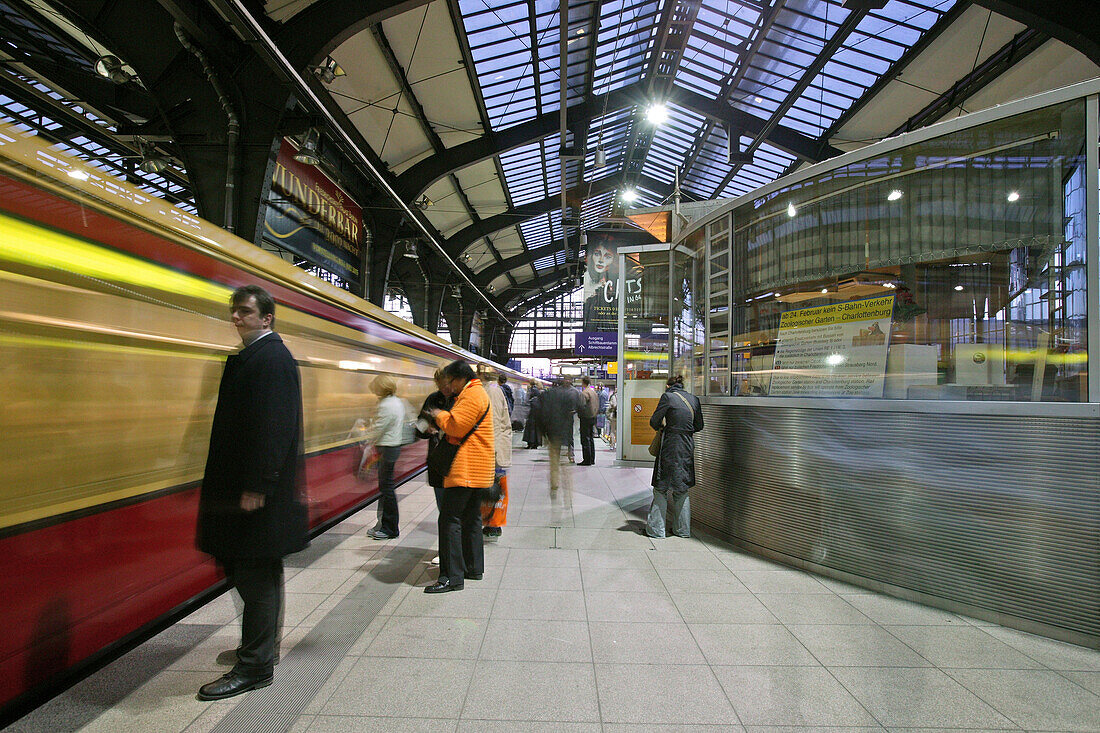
x=461 y=545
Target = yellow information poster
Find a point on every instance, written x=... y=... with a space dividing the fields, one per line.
x=641 y=409
x=836 y=350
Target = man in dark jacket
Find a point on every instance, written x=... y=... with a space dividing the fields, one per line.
x=250 y=514
x=531 y=429
x=506 y=388
x=556 y=409
x=587 y=415
x=678 y=416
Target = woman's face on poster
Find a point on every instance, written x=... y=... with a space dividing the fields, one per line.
x=602 y=259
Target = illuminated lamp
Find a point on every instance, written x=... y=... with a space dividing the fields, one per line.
x=307 y=154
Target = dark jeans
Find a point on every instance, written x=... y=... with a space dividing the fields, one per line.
x=387 y=459
x=461 y=544
x=588 y=443
x=259 y=581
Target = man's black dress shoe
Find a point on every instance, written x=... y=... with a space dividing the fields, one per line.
x=443 y=585
x=230 y=684
x=587 y=463
x=474 y=576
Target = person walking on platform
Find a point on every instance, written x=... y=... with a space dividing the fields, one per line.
x=612 y=418
x=587 y=417
x=387 y=436
x=678 y=416
x=469 y=426
x=494 y=514
x=556 y=409
x=250 y=511
x=531 y=431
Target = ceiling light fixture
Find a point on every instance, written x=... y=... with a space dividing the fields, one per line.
x=629 y=196
x=824 y=291
x=328 y=71
x=657 y=113
x=307 y=154
x=894 y=195
x=601 y=157
x=151 y=160
x=410 y=250
x=958 y=287
x=110 y=67
x=791 y=211
x=78 y=174
x=1013 y=197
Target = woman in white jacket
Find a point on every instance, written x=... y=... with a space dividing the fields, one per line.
x=387 y=436
x=495 y=515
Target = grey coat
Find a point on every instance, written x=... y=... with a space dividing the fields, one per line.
x=556 y=408
x=674 y=469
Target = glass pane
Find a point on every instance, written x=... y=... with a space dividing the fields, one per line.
x=974 y=241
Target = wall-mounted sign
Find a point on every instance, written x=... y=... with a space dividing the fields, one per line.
x=641 y=409
x=310 y=215
x=836 y=350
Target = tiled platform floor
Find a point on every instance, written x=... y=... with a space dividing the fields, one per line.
x=586 y=626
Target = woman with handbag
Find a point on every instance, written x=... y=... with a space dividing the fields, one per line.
x=465 y=458
x=677 y=418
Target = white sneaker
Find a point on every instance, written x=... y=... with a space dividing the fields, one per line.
x=435 y=560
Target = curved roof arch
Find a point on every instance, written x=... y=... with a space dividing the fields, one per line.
x=461 y=99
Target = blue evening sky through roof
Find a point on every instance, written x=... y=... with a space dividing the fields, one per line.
x=518 y=86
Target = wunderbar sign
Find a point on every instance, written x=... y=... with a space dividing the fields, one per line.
x=311 y=216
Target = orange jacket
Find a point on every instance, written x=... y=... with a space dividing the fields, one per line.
x=474 y=464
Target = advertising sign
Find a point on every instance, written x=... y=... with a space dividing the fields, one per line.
x=600 y=327
x=836 y=350
x=308 y=214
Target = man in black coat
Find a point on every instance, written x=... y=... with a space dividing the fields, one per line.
x=250 y=513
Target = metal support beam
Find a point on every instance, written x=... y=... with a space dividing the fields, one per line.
x=459 y=241
x=1020 y=47
x=824 y=56
x=1073 y=22
x=418 y=178
x=310 y=92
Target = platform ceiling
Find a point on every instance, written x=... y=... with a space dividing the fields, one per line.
x=461 y=100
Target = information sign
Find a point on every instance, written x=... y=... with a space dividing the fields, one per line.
x=836 y=350
x=641 y=409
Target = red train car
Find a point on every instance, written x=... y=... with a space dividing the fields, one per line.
x=113 y=330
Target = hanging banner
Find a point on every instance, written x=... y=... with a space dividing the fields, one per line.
x=310 y=215
x=836 y=350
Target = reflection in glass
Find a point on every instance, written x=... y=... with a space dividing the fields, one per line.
x=978 y=236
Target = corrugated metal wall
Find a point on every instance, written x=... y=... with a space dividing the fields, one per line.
x=995 y=513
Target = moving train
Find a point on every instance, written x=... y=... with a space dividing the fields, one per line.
x=114 y=326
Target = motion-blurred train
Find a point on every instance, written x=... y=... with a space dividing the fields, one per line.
x=113 y=332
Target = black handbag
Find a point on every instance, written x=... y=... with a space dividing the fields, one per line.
x=494 y=493
x=443 y=454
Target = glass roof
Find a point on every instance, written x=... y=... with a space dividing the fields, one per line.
x=736 y=52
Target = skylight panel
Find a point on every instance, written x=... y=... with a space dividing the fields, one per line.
x=625 y=42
